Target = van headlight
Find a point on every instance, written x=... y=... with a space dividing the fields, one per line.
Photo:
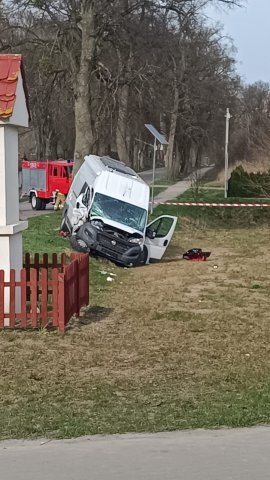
x=138 y=241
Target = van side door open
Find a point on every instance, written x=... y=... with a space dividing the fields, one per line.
x=158 y=236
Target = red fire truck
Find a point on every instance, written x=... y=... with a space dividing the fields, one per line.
x=42 y=181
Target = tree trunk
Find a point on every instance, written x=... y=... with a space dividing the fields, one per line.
x=82 y=106
x=121 y=128
x=179 y=71
x=169 y=158
x=125 y=65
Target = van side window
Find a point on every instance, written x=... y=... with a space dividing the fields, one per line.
x=86 y=191
x=83 y=190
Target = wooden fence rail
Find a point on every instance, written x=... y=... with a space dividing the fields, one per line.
x=47 y=293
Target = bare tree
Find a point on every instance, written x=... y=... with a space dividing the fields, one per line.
x=100 y=69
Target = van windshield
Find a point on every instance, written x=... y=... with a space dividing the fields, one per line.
x=119 y=211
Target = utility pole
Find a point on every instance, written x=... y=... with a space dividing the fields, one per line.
x=162 y=140
x=227 y=116
x=154 y=172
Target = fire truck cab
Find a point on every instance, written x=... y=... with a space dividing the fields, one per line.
x=42 y=181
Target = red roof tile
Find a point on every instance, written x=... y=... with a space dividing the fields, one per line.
x=10 y=67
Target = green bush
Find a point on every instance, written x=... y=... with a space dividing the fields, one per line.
x=247 y=185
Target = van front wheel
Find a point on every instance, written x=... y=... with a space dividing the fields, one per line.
x=142 y=258
x=78 y=245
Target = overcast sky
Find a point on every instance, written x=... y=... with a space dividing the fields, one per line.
x=250 y=29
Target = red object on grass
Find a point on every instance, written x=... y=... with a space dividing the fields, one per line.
x=197 y=255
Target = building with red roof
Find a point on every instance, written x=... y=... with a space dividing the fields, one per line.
x=14 y=113
x=14 y=100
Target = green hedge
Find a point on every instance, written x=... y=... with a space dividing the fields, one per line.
x=244 y=184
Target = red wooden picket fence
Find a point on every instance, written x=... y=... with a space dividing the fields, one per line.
x=48 y=292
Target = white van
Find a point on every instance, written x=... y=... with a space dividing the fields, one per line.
x=106 y=213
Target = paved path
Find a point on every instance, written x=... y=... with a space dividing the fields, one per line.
x=178 y=188
x=147 y=175
x=195 y=455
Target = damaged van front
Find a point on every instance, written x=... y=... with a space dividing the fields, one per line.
x=115 y=230
x=106 y=213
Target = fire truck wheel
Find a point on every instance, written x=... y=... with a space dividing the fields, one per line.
x=43 y=204
x=36 y=202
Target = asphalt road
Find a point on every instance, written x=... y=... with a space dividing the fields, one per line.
x=194 y=455
x=26 y=210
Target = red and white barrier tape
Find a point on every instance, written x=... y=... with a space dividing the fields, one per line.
x=205 y=204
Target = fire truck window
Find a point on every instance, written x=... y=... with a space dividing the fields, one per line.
x=65 y=172
x=55 y=172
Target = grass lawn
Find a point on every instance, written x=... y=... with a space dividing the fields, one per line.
x=168 y=346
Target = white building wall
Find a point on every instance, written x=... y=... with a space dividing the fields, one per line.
x=9 y=187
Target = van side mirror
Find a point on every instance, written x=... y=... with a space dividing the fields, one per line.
x=150 y=233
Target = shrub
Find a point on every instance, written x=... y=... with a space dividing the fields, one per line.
x=244 y=184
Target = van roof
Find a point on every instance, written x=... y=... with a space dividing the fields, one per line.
x=110 y=164
x=118 y=166
x=123 y=187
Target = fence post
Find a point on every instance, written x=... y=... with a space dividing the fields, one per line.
x=45 y=263
x=36 y=260
x=33 y=296
x=54 y=260
x=2 y=298
x=27 y=260
x=77 y=284
x=87 y=298
x=24 y=297
x=61 y=302
x=84 y=280
x=55 y=287
x=12 y=302
x=63 y=260
x=44 y=296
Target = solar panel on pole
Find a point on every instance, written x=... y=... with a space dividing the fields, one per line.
x=160 y=138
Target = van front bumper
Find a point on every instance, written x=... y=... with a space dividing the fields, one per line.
x=110 y=247
x=129 y=258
